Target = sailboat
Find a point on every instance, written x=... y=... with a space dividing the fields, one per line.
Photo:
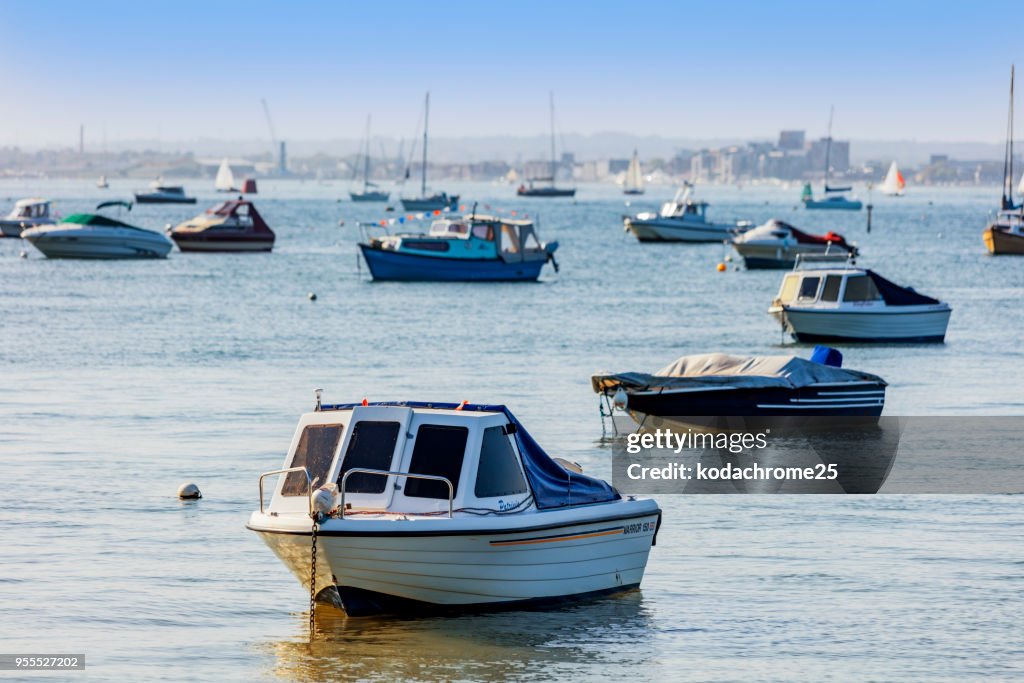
x=833 y=199
x=102 y=183
x=893 y=185
x=634 y=178
x=225 y=181
x=1005 y=235
x=531 y=189
x=436 y=201
x=369 y=192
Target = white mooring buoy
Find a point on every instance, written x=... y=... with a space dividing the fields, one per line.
x=189 y=491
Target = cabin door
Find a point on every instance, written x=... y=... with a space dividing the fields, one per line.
x=375 y=440
x=511 y=249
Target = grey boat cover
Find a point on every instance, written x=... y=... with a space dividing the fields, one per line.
x=715 y=370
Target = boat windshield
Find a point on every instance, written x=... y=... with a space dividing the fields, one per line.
x=446 y=227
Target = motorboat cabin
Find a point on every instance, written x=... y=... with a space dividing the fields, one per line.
x=233 y=225
x=683 y=219
x=468 y=248
x=27 y=213
x=422 y=506
x=845 y=303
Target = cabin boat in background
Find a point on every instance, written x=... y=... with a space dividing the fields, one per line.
x=234 y=225
x=545 y=187
x=720 y=385
x=634 y=184
x=833 y=198
x=94 y=236
x=225 y=181
x=424 y=507
x=829 y=303
x=369 y=191
x=27 y=213
x=467 y=249
x=439 y=201
x=1005 y=235
x=164 y=194
x=681 y=220
x=776 y=244
x=893 y=185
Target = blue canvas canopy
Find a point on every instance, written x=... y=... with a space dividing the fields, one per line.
x=552 y=485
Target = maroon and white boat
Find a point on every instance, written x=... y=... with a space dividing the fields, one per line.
x=777 y=244
x=234 y=225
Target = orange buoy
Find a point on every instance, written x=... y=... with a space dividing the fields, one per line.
x=721 y=268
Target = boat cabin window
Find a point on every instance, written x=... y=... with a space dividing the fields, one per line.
x=426 y=245
x=789 y=287
x=371 y=447
x=830 y=292
x=242 y=214
x=809 y=289
x=499 y=473
x=509 y=239
x=484 y=232
x=439 y=451
x=531 y=242
x=860 y=288
x=315 y=452
x=448 y=228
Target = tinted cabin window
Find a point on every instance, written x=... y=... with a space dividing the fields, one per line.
x=438 y=452
x=789 y=286
x=830 y=292
x=426 y=245
x=371 y=447
x=484 y=232
x=499 y=473
x=315 y=452
x=809 y=288
x=860 y=288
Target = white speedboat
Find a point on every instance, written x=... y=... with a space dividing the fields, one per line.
x=681 y=220
x=845 y=303
x=776 y=244
x=164 y=194
x=93 y=236
x=426 y=506
x=27 y=213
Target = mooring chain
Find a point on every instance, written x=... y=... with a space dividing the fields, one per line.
x=312 y=576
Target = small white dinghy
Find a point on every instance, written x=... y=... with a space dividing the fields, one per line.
x=425 y=506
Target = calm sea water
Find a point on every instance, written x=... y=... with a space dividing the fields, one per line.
x=121 y=380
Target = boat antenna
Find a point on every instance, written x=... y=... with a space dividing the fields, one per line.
x=1008 y=154
x=473 y=215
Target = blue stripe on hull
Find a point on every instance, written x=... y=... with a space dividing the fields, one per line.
x=394 y=266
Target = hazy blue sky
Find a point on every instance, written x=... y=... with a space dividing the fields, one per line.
x=182 y=69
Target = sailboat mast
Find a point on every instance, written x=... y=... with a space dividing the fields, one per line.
x=828 y=145
x=1008 y=154
x=426 y=119
x=366 y=160
x=551 y=95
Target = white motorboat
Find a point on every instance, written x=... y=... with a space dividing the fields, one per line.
x=164 y=194
x=776 y=244
x=426 y=506
x=27 y=213
x=93 y=236
x=681 y=220
x=845 y=303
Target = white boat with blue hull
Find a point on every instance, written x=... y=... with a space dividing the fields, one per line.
x=468 y=249
x=445 y=506
x=826 y=303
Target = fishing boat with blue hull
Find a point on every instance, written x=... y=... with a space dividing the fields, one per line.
x=467 y=249
x=440 y=507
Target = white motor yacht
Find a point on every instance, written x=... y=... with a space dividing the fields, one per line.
x=427 y=506
x=94 y=236
x=681 y=220
x=832 y=303
x=27 y=213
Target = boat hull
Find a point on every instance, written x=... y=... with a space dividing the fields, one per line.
x=14 y=228
x=762 y=256
x=430 y=204
x=545 y=192
x=154 y=199
x=836 y=204
x=851 y=399
x=100 y=247
x=464 y=566
x=397 y=266
x=1002 y=242
x=666 y=230
x=369 y=196
x=919 y=324
x=199 y=244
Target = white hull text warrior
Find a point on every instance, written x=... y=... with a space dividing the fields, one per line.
x=424 y=507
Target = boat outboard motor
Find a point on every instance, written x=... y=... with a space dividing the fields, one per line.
x=826 y=355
